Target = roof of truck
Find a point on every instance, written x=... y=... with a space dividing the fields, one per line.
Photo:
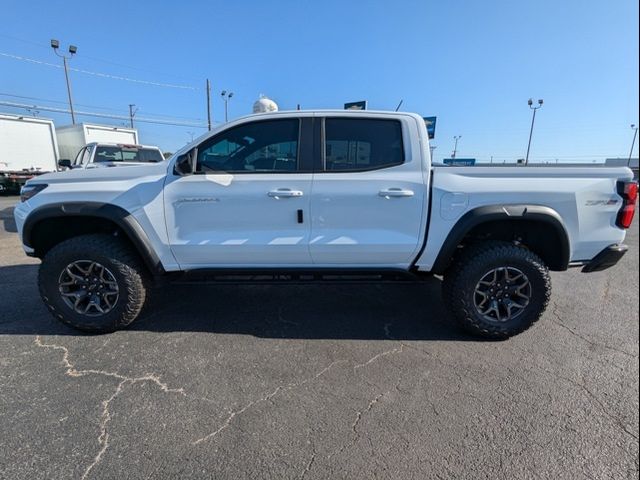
x=123 y=145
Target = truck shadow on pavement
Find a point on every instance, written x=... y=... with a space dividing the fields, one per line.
x=366 y=311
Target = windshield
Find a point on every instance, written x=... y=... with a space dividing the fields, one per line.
x=111 y=153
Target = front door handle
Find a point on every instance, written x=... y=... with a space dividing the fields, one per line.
x=284 y=193
x=395 y=192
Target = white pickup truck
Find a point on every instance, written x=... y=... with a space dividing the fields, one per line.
x=101 y=154
x=303 y=195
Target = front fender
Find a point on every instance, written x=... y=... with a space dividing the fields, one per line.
x=118 y=215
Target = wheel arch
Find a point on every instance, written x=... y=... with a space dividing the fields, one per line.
x=537 y=227
x=51 y=224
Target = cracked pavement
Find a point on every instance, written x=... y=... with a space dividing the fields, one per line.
x=319 y=381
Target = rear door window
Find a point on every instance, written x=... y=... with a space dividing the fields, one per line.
x=361 y=144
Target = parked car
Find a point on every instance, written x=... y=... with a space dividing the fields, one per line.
x=71 y=138
x=96 y=155
x=315 y=195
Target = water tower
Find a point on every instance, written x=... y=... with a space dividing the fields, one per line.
x=264 y=105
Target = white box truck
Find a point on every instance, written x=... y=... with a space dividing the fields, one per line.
x=73 y=137
x=28 y=147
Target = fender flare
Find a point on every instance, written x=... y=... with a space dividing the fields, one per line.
x=491 y=213
x=118 y=215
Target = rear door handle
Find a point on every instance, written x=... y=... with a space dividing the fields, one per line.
x=284 y=193
x=395 y=192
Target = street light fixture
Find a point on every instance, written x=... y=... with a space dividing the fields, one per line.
x=455 y=147
x=226 y=96
x=634 y=127
x=55 y=44
x=533 y=119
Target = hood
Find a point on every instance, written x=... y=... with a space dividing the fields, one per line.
x=103 y=174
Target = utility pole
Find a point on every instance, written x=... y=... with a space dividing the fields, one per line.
x=633 y=142
x=530 y=102
x=132 y=113
x=455 y=147
x=55 y=44
x=209 y=104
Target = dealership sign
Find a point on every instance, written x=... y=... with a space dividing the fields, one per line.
x=430 y=122
x=361 y=105
x=460 y=162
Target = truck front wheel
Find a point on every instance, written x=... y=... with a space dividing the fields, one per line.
x=497 y=289
x=93 y=283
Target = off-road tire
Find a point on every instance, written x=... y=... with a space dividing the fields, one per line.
x=118 y=257
x=463 y=275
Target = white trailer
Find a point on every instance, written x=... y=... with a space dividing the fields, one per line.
x=73 y=137
x=27 y=143
x=28 y=147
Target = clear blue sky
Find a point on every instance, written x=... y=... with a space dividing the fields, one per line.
x=472 y=64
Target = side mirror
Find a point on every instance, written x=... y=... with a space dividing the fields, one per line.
x=184 y=164
x=64 y=163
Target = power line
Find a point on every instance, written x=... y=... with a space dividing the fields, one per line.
x=101 y=74
x=82 y=55
x=102 y=115
x=25 y=97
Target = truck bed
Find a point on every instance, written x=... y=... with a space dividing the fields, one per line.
x=585 y=199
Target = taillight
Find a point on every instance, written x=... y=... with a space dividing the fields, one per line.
x=629 y=193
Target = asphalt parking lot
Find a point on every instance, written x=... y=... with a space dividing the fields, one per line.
x=319 y=381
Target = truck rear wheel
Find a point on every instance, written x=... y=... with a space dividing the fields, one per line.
x=93 y=283
x=497 y=289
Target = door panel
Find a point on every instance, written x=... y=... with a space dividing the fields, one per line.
x=373 y=214
x=247 y=202
x=352 y=223
x=224 y=219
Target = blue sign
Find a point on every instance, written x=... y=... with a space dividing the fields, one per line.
x=460 y=162
x=430 y=122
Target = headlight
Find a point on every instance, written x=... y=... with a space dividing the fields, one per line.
x=28 y=191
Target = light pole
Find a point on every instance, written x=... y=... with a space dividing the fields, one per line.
x=208 y=88
x=132 y=113
x=226 y=96
x=55 y=44
x=455 y=147
x=533 y=119
x=633 y=142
